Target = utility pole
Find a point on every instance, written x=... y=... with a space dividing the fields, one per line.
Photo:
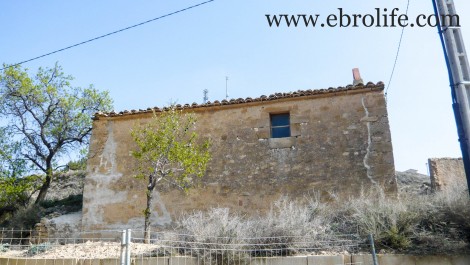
x=459 y=73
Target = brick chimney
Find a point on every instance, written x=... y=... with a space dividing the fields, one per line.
x=357 y=77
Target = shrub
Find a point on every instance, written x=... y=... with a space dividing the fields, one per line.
x=216 y=229
x=37 y=249
x=4 y=247
x=26 y=218
x=410 y=223
x=79 y=164
x=74 y=202
x=293 y=226
x=289 y=227
x=15 y=193
x=396 y=239
x=437 y=223
x=388 y=219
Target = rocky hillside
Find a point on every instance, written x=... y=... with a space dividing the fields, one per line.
x=66 y=184
x=64 y=196
x=410 y=181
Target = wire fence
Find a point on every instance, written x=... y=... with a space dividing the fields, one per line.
x=119 y=247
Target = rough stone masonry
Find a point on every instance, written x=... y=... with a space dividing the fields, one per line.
x=447 y=174
x=338 y=143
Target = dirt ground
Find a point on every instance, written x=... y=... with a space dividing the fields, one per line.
x=85 y=250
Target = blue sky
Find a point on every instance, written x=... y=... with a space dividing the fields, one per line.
x=176 y=58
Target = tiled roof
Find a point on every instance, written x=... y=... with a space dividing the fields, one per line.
x=276 y=96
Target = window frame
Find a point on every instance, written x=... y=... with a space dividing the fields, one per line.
x=274 y=127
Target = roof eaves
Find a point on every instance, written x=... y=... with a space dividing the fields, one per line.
x=275 y=96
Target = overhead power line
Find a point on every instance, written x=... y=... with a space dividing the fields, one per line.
x=398 y=53
x=111 y=33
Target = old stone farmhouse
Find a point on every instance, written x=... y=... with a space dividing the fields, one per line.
x=334 y=140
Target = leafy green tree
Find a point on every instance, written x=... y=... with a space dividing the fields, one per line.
x=10 y=164
x=15 y=189
x=78 y=164
x=48 y=116
x=15 y=193
x=169 y=149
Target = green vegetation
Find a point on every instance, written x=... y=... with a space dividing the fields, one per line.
x=47 y=117
x=39 y=248
x=168 y=149
x=15 y=189
x=27 y=217
x=73 y=203
x=79 y=164
x=24 y=218
x=4 y=247
x=15 y=193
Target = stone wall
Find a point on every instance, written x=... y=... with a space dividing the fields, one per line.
x=340 y=143
x=446 y=173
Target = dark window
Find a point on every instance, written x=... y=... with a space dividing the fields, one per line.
x=280 y=125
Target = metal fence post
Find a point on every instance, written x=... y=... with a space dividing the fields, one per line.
x=128 y=247
x=123 y=245
x=372 y=249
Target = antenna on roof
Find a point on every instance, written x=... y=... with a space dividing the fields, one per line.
x=206 y=97
x=226 y=87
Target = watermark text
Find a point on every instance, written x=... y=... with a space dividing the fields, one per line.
x=381 y=17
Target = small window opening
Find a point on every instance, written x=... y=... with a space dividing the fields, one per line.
x=280 y=125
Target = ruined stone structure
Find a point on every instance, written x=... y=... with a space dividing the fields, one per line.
x=335 y=140
x=446 y=173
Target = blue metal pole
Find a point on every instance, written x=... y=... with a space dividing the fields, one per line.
x=462 y=134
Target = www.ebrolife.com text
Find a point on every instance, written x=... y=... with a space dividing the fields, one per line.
x=385 y=18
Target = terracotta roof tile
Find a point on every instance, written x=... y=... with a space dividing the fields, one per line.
x=275 y=96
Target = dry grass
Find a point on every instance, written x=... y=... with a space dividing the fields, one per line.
x=435 y=223
x=418 y=224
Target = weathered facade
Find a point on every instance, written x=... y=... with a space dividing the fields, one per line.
x=446 y=174
x=339 y=142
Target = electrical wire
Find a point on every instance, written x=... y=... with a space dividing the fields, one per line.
x=109 y=34
x=398 y=53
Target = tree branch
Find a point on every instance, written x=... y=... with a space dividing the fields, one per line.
x=34 y=161
x=28 y=136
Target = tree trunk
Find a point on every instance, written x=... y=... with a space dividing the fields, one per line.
x=147 y=211
x=45 y=185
